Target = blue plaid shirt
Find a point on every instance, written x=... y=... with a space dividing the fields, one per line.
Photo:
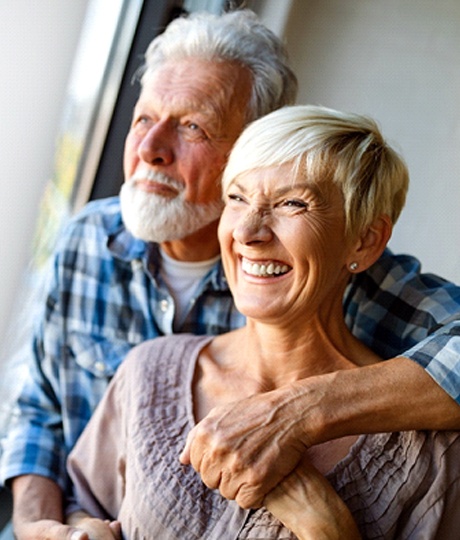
x=106 y=295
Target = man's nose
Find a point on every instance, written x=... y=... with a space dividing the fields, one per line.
x=253 y=228
x=157 y=146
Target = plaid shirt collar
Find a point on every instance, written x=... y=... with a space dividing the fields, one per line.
x=124 y=246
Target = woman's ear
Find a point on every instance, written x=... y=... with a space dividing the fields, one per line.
x=370 y=244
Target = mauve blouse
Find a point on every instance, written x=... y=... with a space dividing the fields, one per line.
x=126 y=465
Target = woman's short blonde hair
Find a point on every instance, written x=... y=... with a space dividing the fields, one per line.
x=328 y=145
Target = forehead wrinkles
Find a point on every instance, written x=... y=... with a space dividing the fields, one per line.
x=179 y=102
x=206 y=88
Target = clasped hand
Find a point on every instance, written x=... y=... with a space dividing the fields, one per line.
x=253 y=451
x=244 y=449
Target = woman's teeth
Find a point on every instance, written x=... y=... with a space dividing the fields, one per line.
x=264 y=269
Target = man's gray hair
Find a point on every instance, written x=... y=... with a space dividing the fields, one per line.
x=237 y=36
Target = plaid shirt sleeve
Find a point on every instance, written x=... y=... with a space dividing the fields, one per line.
x=84 y=331
x=398 y=310
x=439 y=354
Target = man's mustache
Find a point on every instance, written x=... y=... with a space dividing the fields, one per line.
x=154 y=176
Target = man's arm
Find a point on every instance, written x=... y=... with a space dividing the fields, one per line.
x=67 y=369
x=395 y=395
x=37 y=510
x=245 y=449
x=38 y=514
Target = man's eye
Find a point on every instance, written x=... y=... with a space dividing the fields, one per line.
x=194 y=131
x=192 y=126
x=141 y=121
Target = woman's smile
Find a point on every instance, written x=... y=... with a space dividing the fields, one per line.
x=264 y=268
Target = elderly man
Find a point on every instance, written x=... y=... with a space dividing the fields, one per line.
x=147 y=264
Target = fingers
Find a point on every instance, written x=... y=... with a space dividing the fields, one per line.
x=96 y=529
x=115 y=527
x=75 y=535
x=237 y=466
x=48 y=530
x=207 y=453
x=245 y=448
x=184 y=457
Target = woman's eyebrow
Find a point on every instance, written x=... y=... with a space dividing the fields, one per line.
x=299 y=186
x=284 y=189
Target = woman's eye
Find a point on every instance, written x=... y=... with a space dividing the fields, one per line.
x=234 y=197
x=295 y=203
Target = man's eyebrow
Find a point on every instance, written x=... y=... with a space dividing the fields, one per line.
x=182 y=106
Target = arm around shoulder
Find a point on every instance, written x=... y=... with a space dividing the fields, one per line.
x=394 y=395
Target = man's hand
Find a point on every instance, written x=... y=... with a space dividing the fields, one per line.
x=38 y=515
x=245 y=448
x=47 y=529
x=92 y=528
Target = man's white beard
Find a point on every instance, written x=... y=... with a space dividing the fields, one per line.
x=154 y=218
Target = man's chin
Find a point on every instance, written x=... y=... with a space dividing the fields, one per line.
x=153 y=218
x=163 y=234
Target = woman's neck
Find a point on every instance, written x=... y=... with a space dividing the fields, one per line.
x=265 y=355
x=262 y=357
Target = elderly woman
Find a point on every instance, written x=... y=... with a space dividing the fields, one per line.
x=311 y=196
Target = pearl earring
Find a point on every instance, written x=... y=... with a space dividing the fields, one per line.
x=353 y=266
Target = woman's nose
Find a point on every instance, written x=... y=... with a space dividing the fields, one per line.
x=157 y=146
x=253 y=228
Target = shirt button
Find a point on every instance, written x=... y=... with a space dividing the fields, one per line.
x=164 y=305
x=100 y=366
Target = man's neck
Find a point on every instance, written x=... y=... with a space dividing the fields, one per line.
x=199 y=246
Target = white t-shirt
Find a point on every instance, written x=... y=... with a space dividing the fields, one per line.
x=182 y=279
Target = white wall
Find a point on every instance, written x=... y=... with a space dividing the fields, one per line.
x=37 y=43
x=398 y=61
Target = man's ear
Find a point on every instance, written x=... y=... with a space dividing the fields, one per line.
x=370 y=244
